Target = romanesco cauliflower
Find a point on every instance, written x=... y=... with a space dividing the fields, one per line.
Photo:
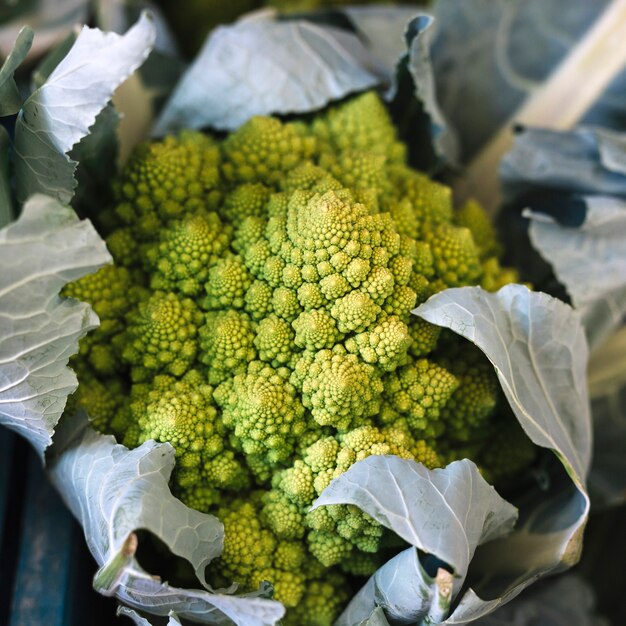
x=258 y=319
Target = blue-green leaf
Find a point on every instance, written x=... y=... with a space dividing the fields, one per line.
x=420 y=67
x=52 y=20
x=113 y=492
x=45 y=249
x=489 y=57
x=376 y=618
x=59 y=114
x=590 y=261
x=400 y=590
x=444 y=512
x=582 y=161
x=304 y=66
x=537 y=345
x=10 y=97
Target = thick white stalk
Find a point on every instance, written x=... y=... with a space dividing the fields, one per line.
x=559 y=104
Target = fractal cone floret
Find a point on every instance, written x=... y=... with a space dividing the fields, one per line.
x=258 y=318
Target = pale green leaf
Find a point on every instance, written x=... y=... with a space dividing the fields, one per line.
x=377 y=618
x=59 y=114
x=403 y=592
x=538 y=347
x=46 y=66
x=52 y=20
x=113 y=492
x=445 y=512
x=10 y=97
x=304 y=66
x=45 y=249
x=419 y=36
x=590 y=261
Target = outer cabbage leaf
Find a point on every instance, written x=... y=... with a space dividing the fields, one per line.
x=583 y=234
x=505 y=49
x=382 y=29
x=52 y=20
x=590 y=261
x=43 y=250
x=377 y=618
x=443 y=512
x=582 y=161
x=419 y=65
x=142 y=621
x=59 y=114
x=10 y=97
x=303 y=67
x=538 y=347
x=113 y=492
x=140 y=98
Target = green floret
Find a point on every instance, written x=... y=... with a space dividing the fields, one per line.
x=455 y=255
x=340 y=390
x=263 y=150
x=101 y=400
x=321 y=602
x=283 y=516
x=360 y=125
x=226 y=344
x=337 y=530
x=425 y=203
x=186 y=251
x=182 y=412
x=227 y=284
x=469 y=412
x=473 y=217
x=315 y=330
x=385 y=344
x=165 y=180
x=262 y=411
x=249 y=232
x=508 y=452
x=424 y=336
x=354 y=312
x=112 y=293
x=252 y=554
x=258 y=300
x=247 y=200
x=495 y=276
x=309 y=177
x=274 y=341
x=418 y=393
x=162 y=335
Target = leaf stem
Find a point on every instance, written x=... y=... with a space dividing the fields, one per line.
x=107 y=578
x=559 y=104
